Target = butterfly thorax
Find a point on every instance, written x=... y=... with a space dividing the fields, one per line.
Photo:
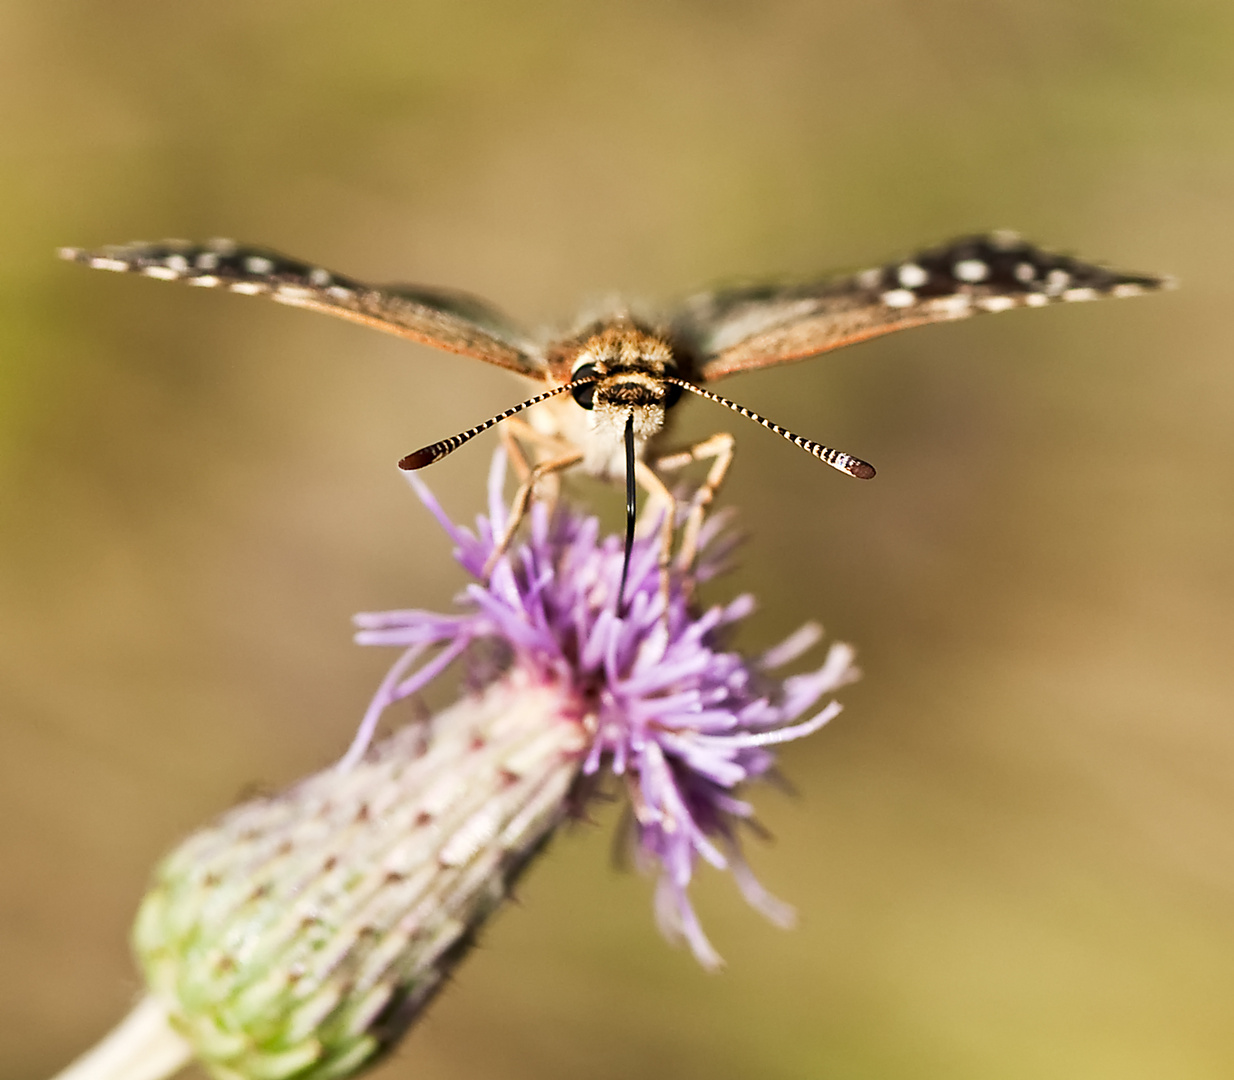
x=629 y=363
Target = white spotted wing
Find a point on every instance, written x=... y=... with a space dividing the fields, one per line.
x=741 y=329
x=453 y=321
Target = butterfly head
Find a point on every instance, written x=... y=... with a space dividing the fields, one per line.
x=629 y=366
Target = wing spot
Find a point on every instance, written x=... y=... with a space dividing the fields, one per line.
x=258 y=264
x=996 y=303
x=339 y=293
x=971 y=270
x=205 y=281
x=249 y=288
x=319 y=277
x=222 y=245
x=899 y=298
x=1081 y=294
x=912 y=276
x=178 y=263
x=293 y=292
x=101 y=262
x=1127 y=288
x=207 y=260
x=952 y=307
x=1036 y=299
x=1025 y=272
x=163 y=273
x=1056 y=281
x=870 y=279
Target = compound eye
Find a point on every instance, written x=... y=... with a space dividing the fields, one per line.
x=672 y=392
x=585 y=394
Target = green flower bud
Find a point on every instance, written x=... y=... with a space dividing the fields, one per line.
x=301 y=934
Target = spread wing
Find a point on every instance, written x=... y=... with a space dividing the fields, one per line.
x=747 y=328
x=447 y=320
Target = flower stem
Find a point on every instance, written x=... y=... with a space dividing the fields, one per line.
x=142 y=1047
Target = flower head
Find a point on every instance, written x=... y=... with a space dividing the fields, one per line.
x=683 y=720
x=299 y=935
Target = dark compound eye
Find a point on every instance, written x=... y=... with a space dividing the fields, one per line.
x=585 y=394
x=672 y=392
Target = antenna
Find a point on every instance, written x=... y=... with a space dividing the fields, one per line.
x=837 y=459
x=417 y=459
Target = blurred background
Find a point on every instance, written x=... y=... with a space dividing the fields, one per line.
x=1012 y=855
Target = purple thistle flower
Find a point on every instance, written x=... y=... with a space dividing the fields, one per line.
x=301 y=934
x=683 y=721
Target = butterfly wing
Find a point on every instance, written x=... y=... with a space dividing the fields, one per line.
x=447 y=320
x=747 y=328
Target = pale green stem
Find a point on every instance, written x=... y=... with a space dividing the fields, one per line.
x=142 y=1047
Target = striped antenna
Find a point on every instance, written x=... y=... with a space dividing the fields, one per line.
x=846 y=463
x=417 y=459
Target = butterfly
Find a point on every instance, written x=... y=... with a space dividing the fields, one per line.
x=605 y=389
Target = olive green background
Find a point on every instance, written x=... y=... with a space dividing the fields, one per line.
x=1012 y=854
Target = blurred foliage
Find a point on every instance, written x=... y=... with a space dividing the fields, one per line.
x=1012 y=853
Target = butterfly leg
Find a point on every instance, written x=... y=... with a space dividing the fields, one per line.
x=522 y=499
x=658 y=492
x=720 y=449
x=518 y=433
x=514 y=450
